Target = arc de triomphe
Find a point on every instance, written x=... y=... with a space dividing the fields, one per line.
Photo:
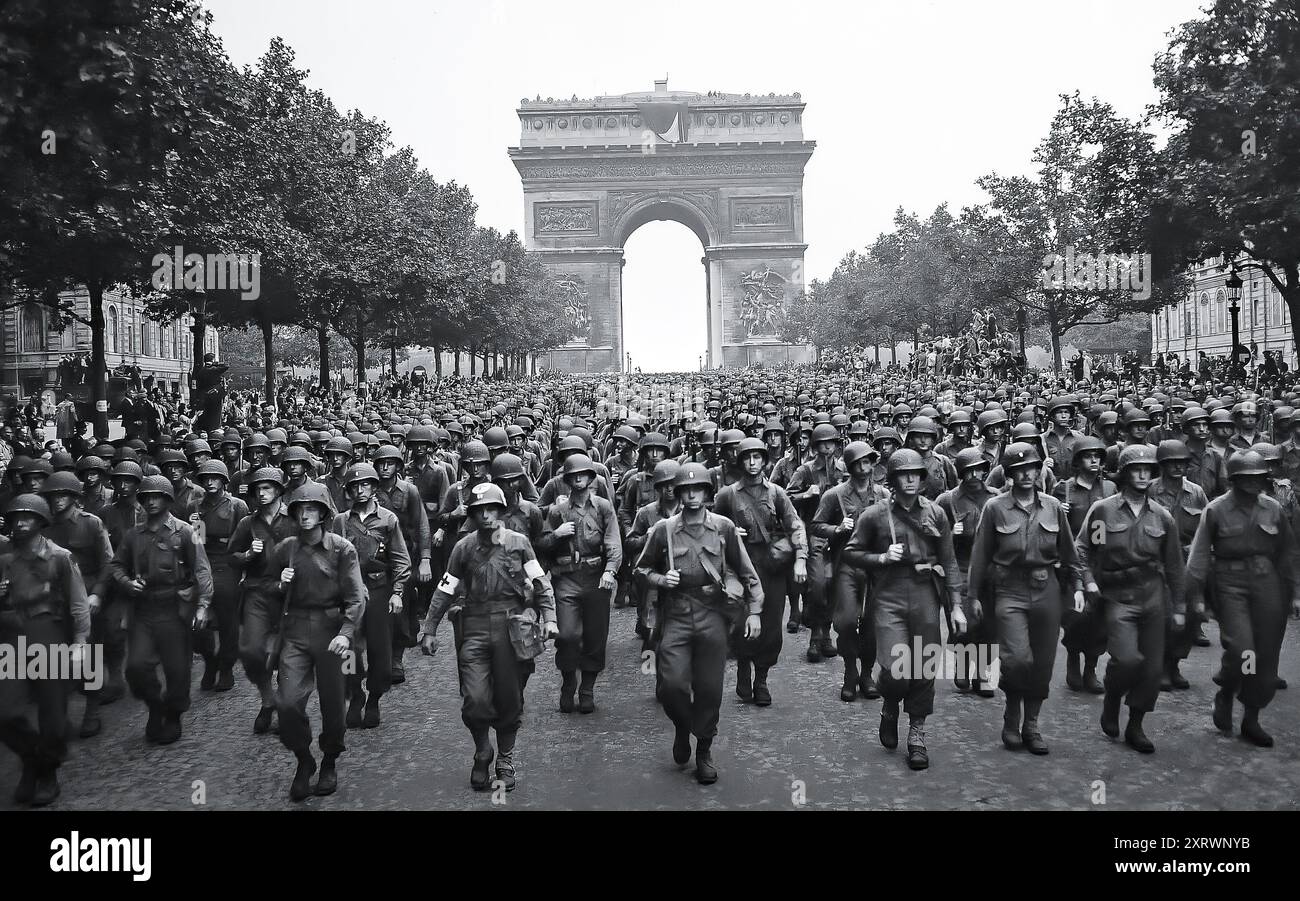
x=727 y=166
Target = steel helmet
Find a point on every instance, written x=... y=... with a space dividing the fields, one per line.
x=300 y=439
x=475 y=452
x=386 y=452
x=486 y=494
x=62 y=481
x=691 y=475
x=751 y=445
x=904 y=460
x=1062 y=402
x=1283 y=415
x=856 y=451
x=1136 y=416
x=1087 y=444
x=860 y=430
x=213 y=468
x=360 y=472
x=231 y=436
x=825 y=432
x=958 y=417
x=270 y=474
x=420 y=433
x=312 y=493
x=1247 y=463
x=1245 y=408
x=969 y=458
x=296 y=454
x=197 y=446
x=732 y=437
x=886 y=433
x=1025 y=431
x=1172 y=449
x=90 y=462
x=156 y=485
x=258 y=440
x=277 y=436
x=996 y=416
x=1269 y=453
x=30 y=503
x=1020 y=454
x=1107 y=418
x=665 y=471
x=901 y=410
x=339 y=446
x=576 y=463
x=169 y=456
x=569 y=444
x=654 y=439
x=507 y=466
x=922 y=425
x=1137 y=454
x=496 y=438
x=628 y=434
x=128 y=469
x=1220 y=417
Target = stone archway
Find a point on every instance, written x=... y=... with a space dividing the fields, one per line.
x=727 y=166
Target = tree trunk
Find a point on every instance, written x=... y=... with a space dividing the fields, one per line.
x=455 y=357
x=1053 y=328
x=359 y=346
x=437 y=360
x=323 y=351
x=268 y=358
x=473 y=360
x=98 y=365
x=877 y=346
x=1291 y=297
x=893 y=349
x=200 y=332
x=392 y=360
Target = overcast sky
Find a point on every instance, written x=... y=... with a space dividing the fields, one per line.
x=909 y=102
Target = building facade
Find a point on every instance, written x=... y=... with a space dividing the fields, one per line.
x=31 y=344
x=1202 y=322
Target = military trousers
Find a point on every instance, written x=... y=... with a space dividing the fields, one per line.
x=108 y=629
x=853 y=616
x=160 y=638
x=1252 y=623
x=219 y=642
x=582 y=615
x=375 y=649
x=764 y=651
x=1135 y=637
x=907 y=610
x=490 y=685
x=690 y=660
x=306 y=665
x=260 y=619
x=46 y=744
x=816 y=591
x=1028 y=612
x=1084 y=633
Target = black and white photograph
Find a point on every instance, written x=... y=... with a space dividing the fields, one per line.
x=424 y=408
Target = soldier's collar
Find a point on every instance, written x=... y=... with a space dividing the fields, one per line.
x=39 y=549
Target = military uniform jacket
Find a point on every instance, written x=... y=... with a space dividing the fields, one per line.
x=1061 y=449
x=923 y=531
x=95 y=501
x=167 y=557
x=1080 y=499
x=403 y=498
x=950 y=447
x=1207 y=468
x=431 y=481
x=377 y=535
x=714 y=540
x=187 y=495
x=1012 y=536
x=766 y=514
x=120 y=517
x=557 y=488
x=327 y=576
x=964 y=505
x=217 y=523
x=940 y=475
x=487 y=574
x=84 y=535
x=645 y=520
x=843 y=500
x=44 y=578
x=595 y=537
x=1232 y=531
x=1291 y=460
x=1117 y=550
x=1186 y=504
x=637 y=490
x=526 y=518
x=814 y=472
x=258 y=572
x=457 y=496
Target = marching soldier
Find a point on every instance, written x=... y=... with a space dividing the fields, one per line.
x=806 y=487
x=777 y=545
x=922 y=435
x=581 y=537
x=907 y=544
x=94 y=474
x=522 y=516
x=338 y=456
x=964 y=505
x=1244 y=554
x=403 y=498
x=1185 y=500
x=1022 y=561
x=43 y=602
x=1205 y=465
x=664 y=506
x=215 y=518
x=1133 y=564
x=1061 y=437
x=164 y=572
x=685 y=559
x=376 y=533
x=487 y=575
x=324 y=598
x=186 y=494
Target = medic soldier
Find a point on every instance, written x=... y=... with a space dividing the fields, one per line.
x=386 y=567
x=964 y=505
x=777 y=545
x=686 y=558
x=1133 y=564
x=323 y=597
x=163 y=572
x=581 y=538
x=1244 y=552
x=487 y=577
x=519 y=515
x=43 y=603
x=215 y=518
x=906 y=546
x=251 y=545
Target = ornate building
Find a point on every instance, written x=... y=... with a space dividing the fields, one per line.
x=1202 y=322
x=31 y=345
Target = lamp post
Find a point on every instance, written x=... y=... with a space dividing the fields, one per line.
x=1233 y=286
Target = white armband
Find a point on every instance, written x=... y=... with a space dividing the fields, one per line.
x=448 y=583
x=533 y=569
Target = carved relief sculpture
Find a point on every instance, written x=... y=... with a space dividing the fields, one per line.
x=575 y=305
x=565 y=218
x=763 y=305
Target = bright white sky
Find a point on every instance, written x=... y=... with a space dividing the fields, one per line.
x=908 y=102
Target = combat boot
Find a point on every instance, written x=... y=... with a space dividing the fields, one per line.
x=300 y=788
x=792 y=625
x=90 y=722
x=356 y=708
x=399 y=666
x=480 y=776
x=682 y=746
x=867 y=686
x=170 y=730
x=328 y=781
x=225 y=679
x=506 y=760
x=1090 y=683
x=705 y=772
x=371 y=717
x=1011 y=723
x=762 y=697
x=1223 y=711
x=982 y=688
x=262 y=722
x=1176 y=680
x=1199 y=639
x=744 y=681
x=1134 y=737
x=587 y=693
x=1073 y=672
x=1029 y=733
x=1110 y=713
x=849 y=691
x=1252 y=731
x=153 y=725
x=917 y=756
x=47 y=787
x=889 y=725
x=209 y=674
x=826 y=645
x=26 y=789
x=567 y=689
x=814 y=654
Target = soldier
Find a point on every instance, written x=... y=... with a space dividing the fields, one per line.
x=1244 y=549
x=376 y=533
x=922 y=435
x=164 y=572
x=1222 y=430
x=992 y=426
x=82 y=533
x=837 y=512
x=1133 y=564
x=403 y=498
x=1205 y=465
x=257 y=450
x=487 y=575
x=806 y=487
x=581 y=537
x=637 y=489
x=475 y=460
x=522 y=516
x=43 y=603
x=1026 y=432
x=1245 y=418
x=296 y=463
x=94 y=474
x=324 y=597
x=1185 y=500
x=557 y=485
x=964 y=505
x=685 y=558
x=777 y=545
x=1084 y=634
x=338 y=456
x=664 y=506
x=215 y=518
x=1022 y=537
x=176 y=468
x=1060 y=439
x=907 y=543
x=960 y=429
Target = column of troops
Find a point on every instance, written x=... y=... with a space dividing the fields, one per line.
x=316 y=555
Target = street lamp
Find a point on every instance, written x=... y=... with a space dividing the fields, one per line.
x=1233 y=286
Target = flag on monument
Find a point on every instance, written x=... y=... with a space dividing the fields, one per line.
x=666 y=119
